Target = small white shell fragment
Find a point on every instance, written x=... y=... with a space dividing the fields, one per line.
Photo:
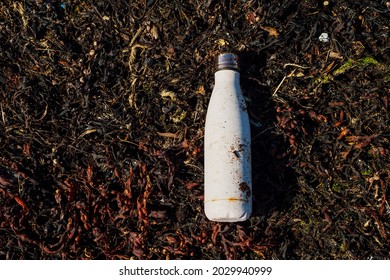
x=324 y=37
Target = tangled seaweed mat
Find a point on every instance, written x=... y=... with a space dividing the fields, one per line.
x=102 y=113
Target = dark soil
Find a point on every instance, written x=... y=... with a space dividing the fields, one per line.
x=102 y=119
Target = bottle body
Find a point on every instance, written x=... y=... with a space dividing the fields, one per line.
x=227 y=152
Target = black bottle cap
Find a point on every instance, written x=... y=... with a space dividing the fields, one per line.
x=227 y=61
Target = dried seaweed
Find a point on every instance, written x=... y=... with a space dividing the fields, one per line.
x=102 y=107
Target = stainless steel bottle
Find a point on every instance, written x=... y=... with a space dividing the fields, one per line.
x=227 y=147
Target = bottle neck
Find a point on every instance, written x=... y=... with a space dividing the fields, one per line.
x=227 y=77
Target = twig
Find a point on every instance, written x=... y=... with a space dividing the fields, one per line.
x=277 y=88
x=2 y=113
x=136 y=36
x=295 y=65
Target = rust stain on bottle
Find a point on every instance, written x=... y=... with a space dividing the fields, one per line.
x=245 y=189
x=230 y=199
x=237 y=151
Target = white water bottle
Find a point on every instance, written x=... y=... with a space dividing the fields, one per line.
x=227 y=147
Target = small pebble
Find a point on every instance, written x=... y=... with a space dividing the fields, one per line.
x=324 y=37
